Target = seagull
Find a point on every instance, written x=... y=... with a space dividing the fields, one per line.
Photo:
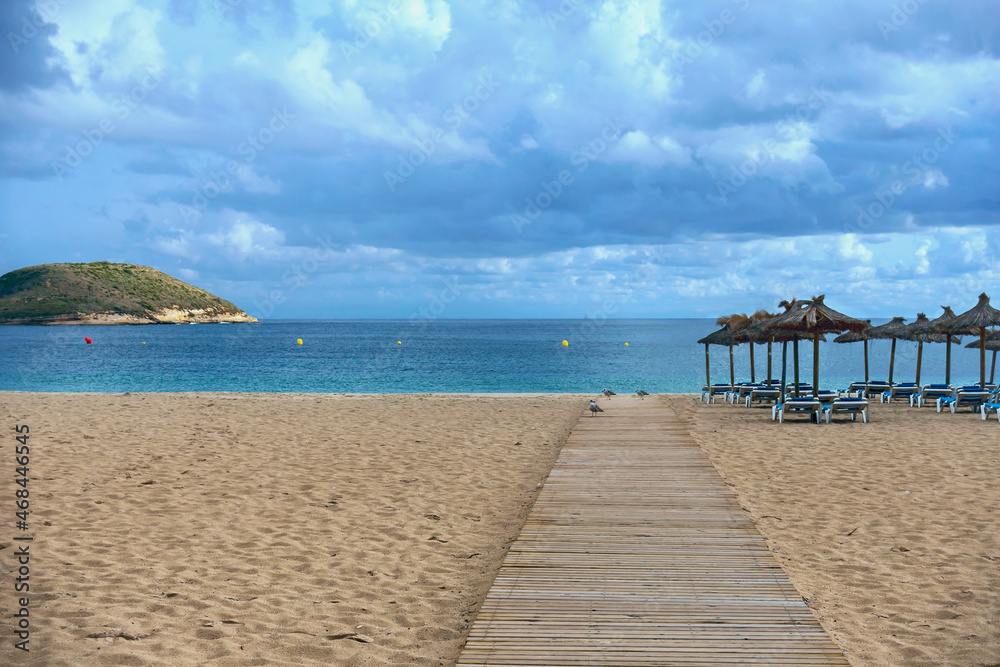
x=608 y=393
x=594 y=408
x=640 y=393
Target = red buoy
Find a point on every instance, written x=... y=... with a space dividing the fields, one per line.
x=87 y=338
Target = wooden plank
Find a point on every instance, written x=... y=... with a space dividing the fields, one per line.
x=636 y=553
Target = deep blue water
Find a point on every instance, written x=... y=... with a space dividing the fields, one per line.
x=435 y=356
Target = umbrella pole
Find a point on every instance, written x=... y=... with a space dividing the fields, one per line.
x=732 y=374
x=892 y=360
x=816 y=364
x=752 y=378
x=866 y=360
x=708 y=375
x=947 y=362
x=982 y=357
x=795 y=353
x=920 y=352
x=784 y=368
x=993 y=366
x=769 y=362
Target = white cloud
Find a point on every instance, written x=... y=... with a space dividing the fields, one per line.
x=639 y=147
x=934 y=178
x=757 y=85
x=247 y=238
x=849 y=246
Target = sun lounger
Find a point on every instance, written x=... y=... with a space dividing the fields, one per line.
x=901 y=390
x=856 y=387
x=708 y=394
x=852 y=406
x=876 y=387
x=763 y=394
x=986 y=408
x=741 y=391
x=804 y=404
x=972 y=397
x=930 y=393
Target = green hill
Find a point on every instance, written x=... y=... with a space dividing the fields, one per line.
x=106 y=293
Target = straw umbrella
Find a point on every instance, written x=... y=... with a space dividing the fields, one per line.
x=922 y=331
x=992 y=343
x=937 y=323
x=892 y=329
x=721 y=337
x=976 y=320
x=751 y=332
x=857 y=336
x=816 y=318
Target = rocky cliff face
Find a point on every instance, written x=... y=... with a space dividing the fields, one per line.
x=106 y=293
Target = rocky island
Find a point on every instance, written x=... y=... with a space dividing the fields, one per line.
x=107 y=293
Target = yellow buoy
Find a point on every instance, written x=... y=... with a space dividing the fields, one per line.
x=143 y=342
x=299 y=341
x=565 y=343
x=399 y=342
x=626 y=344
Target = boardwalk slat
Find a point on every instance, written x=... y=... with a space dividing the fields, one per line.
x=636 y=553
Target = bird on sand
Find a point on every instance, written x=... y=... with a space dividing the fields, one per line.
x=594 y=408
x=641 y=394
x=608 y=393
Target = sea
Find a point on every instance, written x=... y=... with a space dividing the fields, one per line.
x=418 y=356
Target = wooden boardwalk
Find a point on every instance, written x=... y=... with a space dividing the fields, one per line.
x=636 y=553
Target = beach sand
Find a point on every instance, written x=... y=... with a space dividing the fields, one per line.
x=231 y=529
x=186 y=529
x=890 y=529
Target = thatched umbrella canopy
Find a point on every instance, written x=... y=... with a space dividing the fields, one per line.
x=855 y=337
x=751 y=332
x=893 y=329
x=784 y=337
x=976 y=320
x=922 y=331
x=815 y=318
x=723 y=336
x=944 y=318
x=992 y=343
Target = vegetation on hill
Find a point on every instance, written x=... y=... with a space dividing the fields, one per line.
x=64 y=291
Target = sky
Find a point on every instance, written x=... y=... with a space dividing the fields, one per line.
x=435 y=159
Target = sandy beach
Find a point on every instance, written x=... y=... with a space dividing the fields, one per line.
x=890 y=529
x=269 y=529
x=185 y=529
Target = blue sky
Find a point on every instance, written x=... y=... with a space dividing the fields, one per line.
x=510 y=159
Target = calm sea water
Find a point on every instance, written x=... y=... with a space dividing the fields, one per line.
x=434 y=356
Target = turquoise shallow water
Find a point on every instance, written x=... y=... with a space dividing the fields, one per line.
x=435 y=356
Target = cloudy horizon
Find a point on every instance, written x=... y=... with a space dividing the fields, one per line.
x=538 y=159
